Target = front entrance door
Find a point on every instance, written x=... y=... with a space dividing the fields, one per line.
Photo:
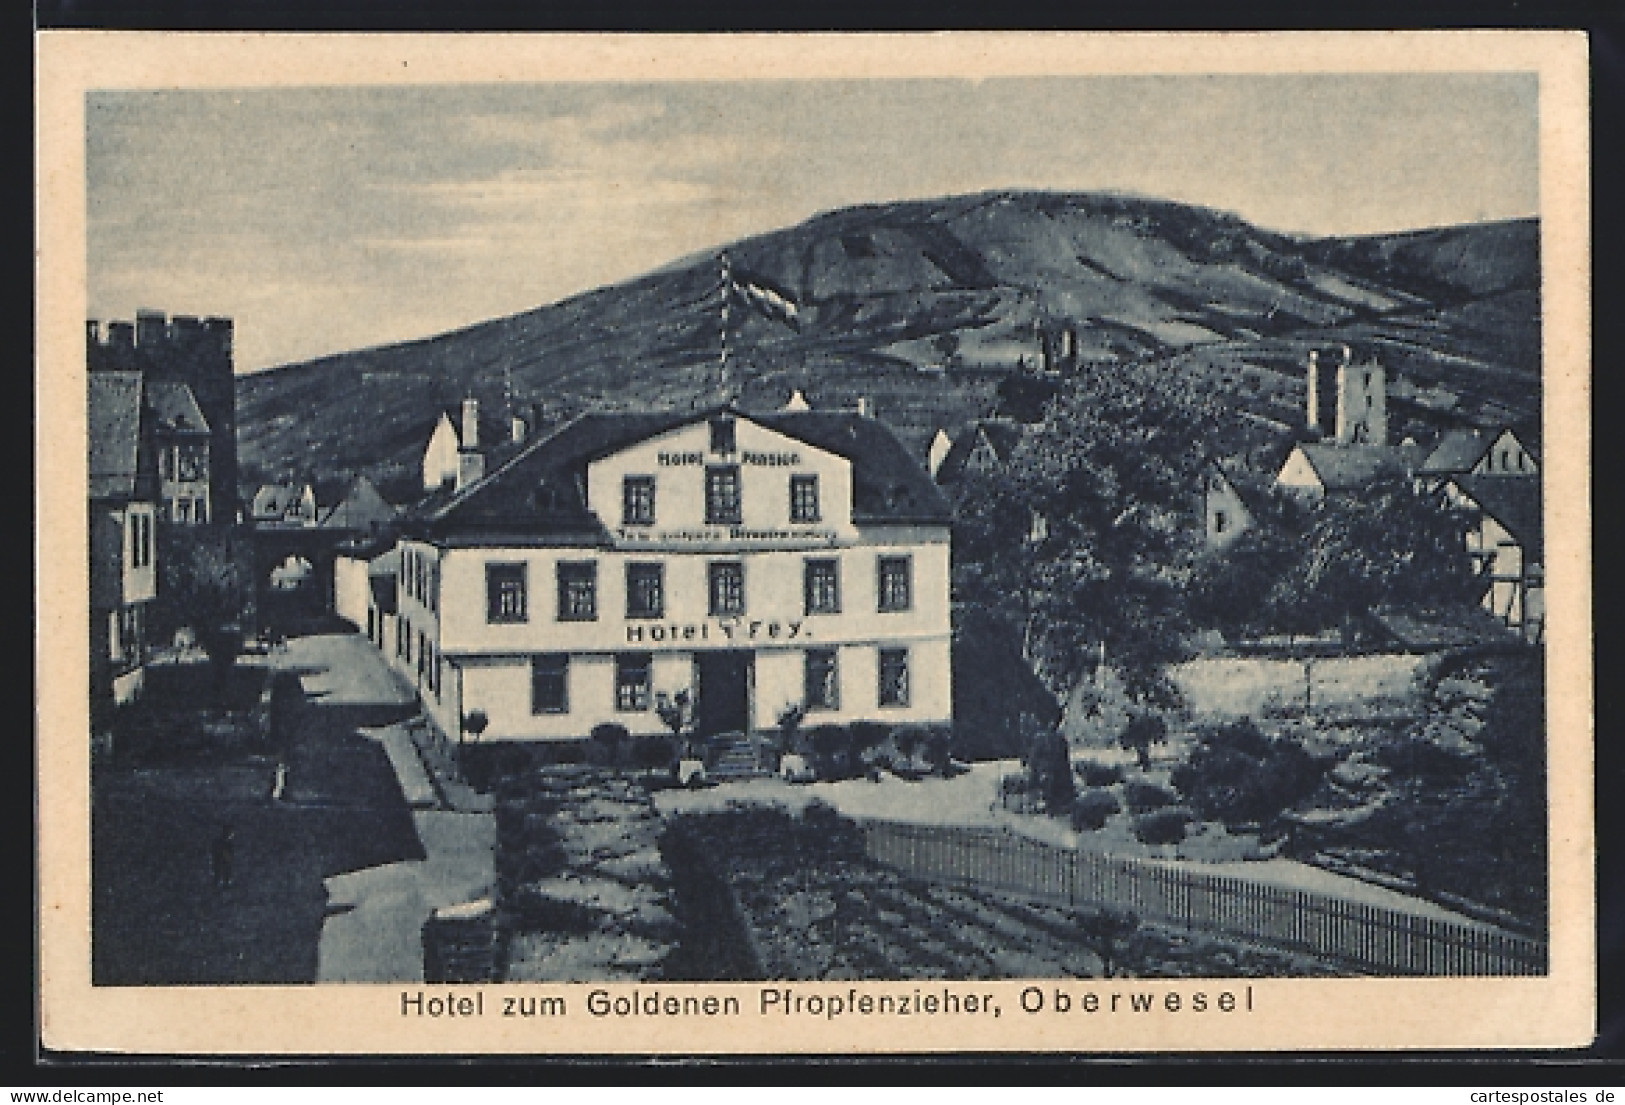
x=724 y=685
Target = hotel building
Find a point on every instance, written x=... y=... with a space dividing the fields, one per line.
x=756 y=561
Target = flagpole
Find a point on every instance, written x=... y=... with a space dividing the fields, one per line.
x=727 y=289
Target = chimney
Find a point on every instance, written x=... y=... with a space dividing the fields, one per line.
x=1314 y=390
x=470 y=468
x=471 y=423
x=150 y=327
x=93 y=332
x=517 y=429
x=863 y=407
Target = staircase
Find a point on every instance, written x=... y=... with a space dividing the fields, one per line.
x=734 y=756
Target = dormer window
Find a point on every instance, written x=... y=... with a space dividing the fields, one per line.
x=723 y=438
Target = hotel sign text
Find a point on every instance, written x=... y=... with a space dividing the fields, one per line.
x=716 y=631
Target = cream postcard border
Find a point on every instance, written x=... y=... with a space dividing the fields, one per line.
x=1287 y=1014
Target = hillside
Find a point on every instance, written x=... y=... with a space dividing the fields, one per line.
x=923 y=306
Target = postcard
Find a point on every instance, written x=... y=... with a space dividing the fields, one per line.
x=814 y=544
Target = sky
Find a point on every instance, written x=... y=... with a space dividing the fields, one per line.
x=329 y=219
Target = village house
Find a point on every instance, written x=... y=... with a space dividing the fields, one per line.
x=984 y=447
x=754 y=561
x=284 y=504
x=1226 y=514
x=1507 y=546
x=123 y=504
x=1317 y=469
x=186 y=365
x=1478 y=452
x=463 y=442
x=181 y=437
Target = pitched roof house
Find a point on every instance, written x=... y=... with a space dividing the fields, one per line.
x=751 y=561
x=122 y=491
x=1479 y=452
x=1318 y=469
x=1508 y=545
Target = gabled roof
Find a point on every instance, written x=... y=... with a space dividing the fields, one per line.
x=174 y=407
x=114 y=430
x=1251 y=487
x=1001 y=435
x=542 y=490
x=362 y=507
x=1513 y=501
x=1352 y=467
x=1457 y=451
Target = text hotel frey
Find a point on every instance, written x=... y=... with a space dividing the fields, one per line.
x=755 y=561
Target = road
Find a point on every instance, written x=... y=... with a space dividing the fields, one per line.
x=372 y=932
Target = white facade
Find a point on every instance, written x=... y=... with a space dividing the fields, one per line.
x=440 y=455
x=1299 y=477
x=351 y=595
x=501 y=626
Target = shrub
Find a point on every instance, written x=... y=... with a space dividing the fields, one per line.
x=1142 y=796
x=652 y=752
x=1165 y=826
x=828 y=744
x=1099 y=775
x=908 y=740
x=939 y=748
x=1092 y=808
x=1238 y=775
x=610 y=736
x=1049 y=769
x=1142 y=731
x=867 y=735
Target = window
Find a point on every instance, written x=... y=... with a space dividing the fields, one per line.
x=722 y=495
x=632 y=681
x=894 y=677
x=578 y=592
x=638 y=501
x=505 y=593
x=823 y=680
x=823 y=587
x=896 y=584
x=804 y=499
x=727 y=587
x=550 y=683
x=645 y=596
x=140 y=540
x=434 y=674
x=723 y=438
x=183 y=510
x=1219 y=521
x=423 y=653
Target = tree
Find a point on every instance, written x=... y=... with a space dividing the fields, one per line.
x=677 y=714
x=1391 y=544
x=1110 y=470
x=1142 y=731
x=208 y=584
